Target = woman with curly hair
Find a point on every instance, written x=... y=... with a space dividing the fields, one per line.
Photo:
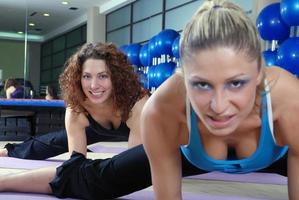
x=104 y=99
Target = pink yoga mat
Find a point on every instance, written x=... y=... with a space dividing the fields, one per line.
x=265 y=178
x=140 y=195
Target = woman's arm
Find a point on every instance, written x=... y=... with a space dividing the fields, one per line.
x=285 y=95
x=161 y=127
x=134 y=122
x=75 y=124
x=9 y=91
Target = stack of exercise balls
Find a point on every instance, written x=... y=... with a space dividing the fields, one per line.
x=273 y=30
x=278 y=24
x=155 y=61
x=288 y=52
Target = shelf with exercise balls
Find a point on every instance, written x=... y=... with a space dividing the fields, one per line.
x=163 y=66
x=164 y=41
x=288 y=52
x=145 y=61
x=273 y=30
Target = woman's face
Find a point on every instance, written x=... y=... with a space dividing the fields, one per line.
x=221 y=85
x=96 y=81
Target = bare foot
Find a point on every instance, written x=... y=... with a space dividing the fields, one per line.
x=3 y=152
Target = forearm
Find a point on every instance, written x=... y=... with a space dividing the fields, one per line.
x=293 y=176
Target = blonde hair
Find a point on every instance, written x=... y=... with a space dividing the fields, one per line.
x=219 y=23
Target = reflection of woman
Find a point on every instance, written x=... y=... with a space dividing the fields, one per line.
x=13 y=89
x=51 y=93
x=104 y=98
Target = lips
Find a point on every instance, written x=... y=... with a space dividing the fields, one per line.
x=97 y=94
x=220 y=122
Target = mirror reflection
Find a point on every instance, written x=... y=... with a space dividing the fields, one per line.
x=36 y=38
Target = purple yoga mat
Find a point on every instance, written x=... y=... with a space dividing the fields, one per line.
x=25 y=196
x=97 y=148
x=16 y=163
x=265 y=178
x=149 y=195
x=140 y=195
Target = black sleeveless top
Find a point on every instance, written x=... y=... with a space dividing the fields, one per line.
x=122 y=132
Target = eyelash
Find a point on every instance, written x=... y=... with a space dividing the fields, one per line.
x=206 y=86
x=101 y=76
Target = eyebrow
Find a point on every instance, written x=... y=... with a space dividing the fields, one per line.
x=230 y=78
x=103 y=72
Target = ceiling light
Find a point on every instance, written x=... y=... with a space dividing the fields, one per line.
x=20 y=32
x=65 y=2
x=31 y=24
x=46 y=14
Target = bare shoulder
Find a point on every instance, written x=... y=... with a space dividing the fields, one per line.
x=73 y=118
x=168 y=100
x=284 y=88
x=285 y=102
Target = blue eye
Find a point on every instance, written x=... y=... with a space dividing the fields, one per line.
x=237 y=84
x=201 y=85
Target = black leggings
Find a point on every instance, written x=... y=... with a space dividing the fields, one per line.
x=52 y=144
x=123 y=174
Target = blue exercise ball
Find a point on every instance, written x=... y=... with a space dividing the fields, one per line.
x=163 y=71
x=152 y=48
x=164 y=41
x=151 y=75
x=176 y=47
x=288 y=55
x=133 y=54
x=124 y=48
x=144 y=55
x=270 y=57
x=270 y=24
x=289 y=11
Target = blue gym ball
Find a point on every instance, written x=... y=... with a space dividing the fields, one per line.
x=144 y=55
x=270 y=24
x=124 y=48
x=289 y=11
x=176 y=47
x=164 y=41
x=163 y=71
x=152 y=48
x=133 y=54
x=288 y=55
x=270 y=57
x=151 y=75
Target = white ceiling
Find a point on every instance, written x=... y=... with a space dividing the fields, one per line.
x=13 y=15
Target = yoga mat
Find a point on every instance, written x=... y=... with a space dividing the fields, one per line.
x=258 y=177
x=98 y=148
x=25 y=196
x=16 y=163
x=140 y=195
x=149 y=195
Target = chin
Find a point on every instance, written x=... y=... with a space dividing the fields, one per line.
x=221 y=132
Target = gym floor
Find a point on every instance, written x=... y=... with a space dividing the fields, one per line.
x=214 y=188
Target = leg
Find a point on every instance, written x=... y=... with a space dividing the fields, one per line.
x=103 y=178
x=36 y=181
x=50 y=144
x=40 y=147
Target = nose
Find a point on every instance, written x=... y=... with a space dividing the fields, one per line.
x=94 y=83
x=219 y=102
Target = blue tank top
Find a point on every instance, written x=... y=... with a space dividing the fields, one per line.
x=266 y=153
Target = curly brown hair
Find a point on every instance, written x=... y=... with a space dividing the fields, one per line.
x=127 y=88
